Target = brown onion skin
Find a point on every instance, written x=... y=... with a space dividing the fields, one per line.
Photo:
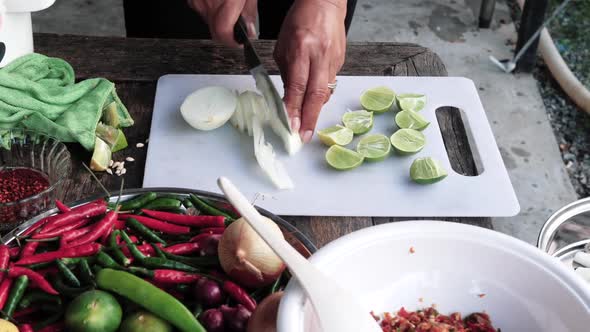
x=264 y=318
x=230 y=255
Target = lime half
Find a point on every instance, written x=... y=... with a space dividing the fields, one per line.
x=336 y=135
x=411 y=102
x=343 y=159
x=374 y=147
x=411 y=120
x=427 y=171
x=378 y=99
x=359 y=122
x=408 y=141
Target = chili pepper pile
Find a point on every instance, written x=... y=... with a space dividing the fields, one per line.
x=152 y=251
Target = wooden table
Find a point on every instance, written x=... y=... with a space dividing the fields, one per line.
x=136 y=64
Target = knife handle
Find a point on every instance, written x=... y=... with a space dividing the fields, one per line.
x=240 y=31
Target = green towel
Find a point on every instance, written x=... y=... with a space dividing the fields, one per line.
x=39 y=93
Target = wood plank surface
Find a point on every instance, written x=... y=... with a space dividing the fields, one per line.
x=136 y=64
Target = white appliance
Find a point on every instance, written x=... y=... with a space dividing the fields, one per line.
x=16 y=30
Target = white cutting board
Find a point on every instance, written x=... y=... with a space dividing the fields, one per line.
x=179 y=156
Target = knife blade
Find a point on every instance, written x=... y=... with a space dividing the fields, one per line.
x=263 y=82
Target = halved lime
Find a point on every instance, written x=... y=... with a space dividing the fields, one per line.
x=408 y=141
x=343 y=159
x=335 y=135
x=374 y=147
x=411 y=120
x=411 y=102
x=359 y=122
x=427 y=171
x=378 y=99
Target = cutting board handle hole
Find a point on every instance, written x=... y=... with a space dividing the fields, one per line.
x=454 y=126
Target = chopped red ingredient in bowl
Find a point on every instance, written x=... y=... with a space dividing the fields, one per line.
x=429 y=320
x=19 y=183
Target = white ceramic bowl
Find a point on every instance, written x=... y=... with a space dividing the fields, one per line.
x=457 y=267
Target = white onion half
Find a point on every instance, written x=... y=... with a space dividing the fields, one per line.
x=209 y=108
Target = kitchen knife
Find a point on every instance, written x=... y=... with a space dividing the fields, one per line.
x=263 y=82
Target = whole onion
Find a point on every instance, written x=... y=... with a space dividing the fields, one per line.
x=245 y=256
x=212 y=320
x=208 y=246
x=235 y=319
x=264 y=318
x=208 y=293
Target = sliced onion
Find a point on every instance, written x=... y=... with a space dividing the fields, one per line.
x=209 y=108
x=292 y=142
x=246 y=258
x=267 y=159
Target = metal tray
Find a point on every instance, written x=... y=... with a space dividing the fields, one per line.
x=292 y=234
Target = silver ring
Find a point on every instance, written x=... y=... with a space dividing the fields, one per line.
x=332 y=86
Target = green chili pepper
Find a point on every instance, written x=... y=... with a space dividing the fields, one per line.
x=39 y=266
x=116 y=251
x=277 y=284
x=65 y=290
x=183 y=288
x=35 y=297
x=132 y=247
x=158 y=250
x=145 y=232
x=209 y=209
x=204 y=261
x=187 y=203
x=56 y=316
x=71 y=261
x=163 y=263
x=96 y=268
x=67 y=273
x=107 y=261
x=137 y=202
x=150 y=297
x=163 y=203
x=197 y=310
x=85 y=272
x=16 y=294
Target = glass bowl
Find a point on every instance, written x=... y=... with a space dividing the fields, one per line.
x=25 y=151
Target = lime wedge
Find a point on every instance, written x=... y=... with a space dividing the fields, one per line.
x=359 y=122
x=427 y=171
x=335 y=135
x=101 y=156
x=378 y=99
x=411 y=102
x=374 y=147
x=411 y=120
x=343 y=159
x=121 y=141
x=408 y=141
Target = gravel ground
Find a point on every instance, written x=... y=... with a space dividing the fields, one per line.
x=570 y=124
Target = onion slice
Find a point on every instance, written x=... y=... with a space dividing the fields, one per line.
x=209 y=108
x=267 y=158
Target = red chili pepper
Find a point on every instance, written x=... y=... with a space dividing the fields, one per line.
x=183 y=219
x=24 y=312
x=120 y=224
x=44 y=234
x=57 y=327
x=174 y=277
x=4 y=259
x=183 y=248
x=89 y=210
x=14 y=252
x=35 y=277
x=24 y=327
x=75 y=233
x=36 y=226
x=158 y=225
x=29 y=248
x=62 y=207
x=239 y=295
x=88 y=249
x=105 y=236
x=200 y=237
x=5 y=291
x=145 y=249
x=98 y=230
x=213 y=230
x=47 y=271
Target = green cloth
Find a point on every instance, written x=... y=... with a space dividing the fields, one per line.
x=40 y=93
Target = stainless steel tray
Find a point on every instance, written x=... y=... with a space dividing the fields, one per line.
x=292 y=234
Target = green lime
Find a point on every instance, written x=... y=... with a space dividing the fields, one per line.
x=378 y=99
x=374 y=147
x=359 y=122
x=411 y=120
x=101 y=156
x=427 y=171
x=408 y=141
x=343 y=159
x=411 y=102
x=336 y=135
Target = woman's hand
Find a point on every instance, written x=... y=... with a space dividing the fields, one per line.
x=310 y=52
x=222 y=15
